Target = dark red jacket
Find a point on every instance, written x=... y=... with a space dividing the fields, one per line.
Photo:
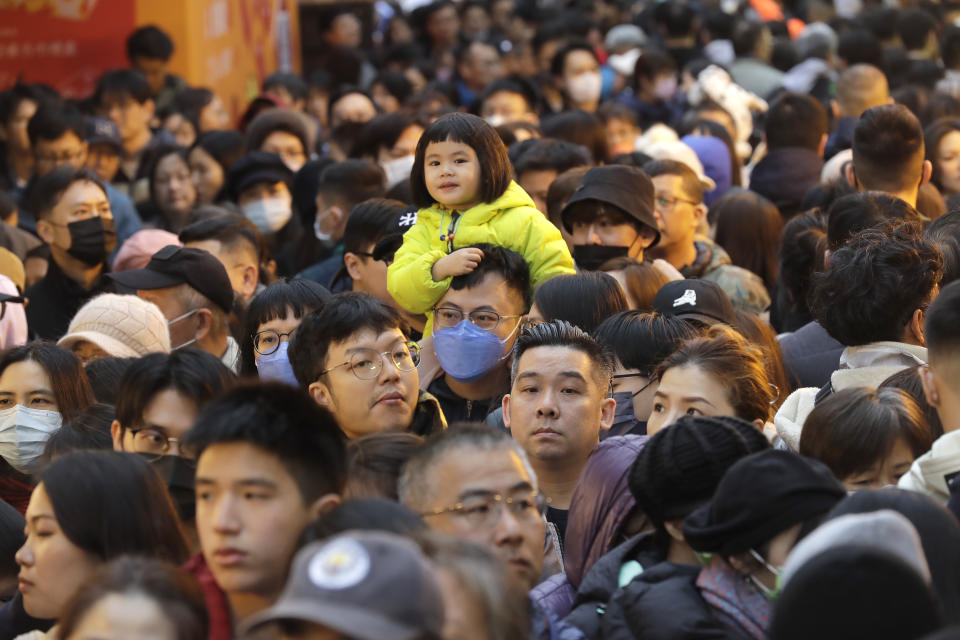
x=218 y=607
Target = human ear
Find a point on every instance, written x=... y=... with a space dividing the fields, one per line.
x=505 y=403
x=916 y=325
x=850 y=173
x=116 y=434
x=675 y=529
x=45 y=231
x=927 y=172
x=352 y=263
x=251 y=277
x=320 y=394
x=607 y=412
x=323 y=504
x=929 y=382
x=205 y=323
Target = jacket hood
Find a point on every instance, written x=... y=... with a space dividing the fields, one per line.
x=600 y=504
x=514 y=196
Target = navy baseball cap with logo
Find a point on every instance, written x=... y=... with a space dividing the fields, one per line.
x=368 y=585
x=174 y=265
x=104 y=131
x=701 y=300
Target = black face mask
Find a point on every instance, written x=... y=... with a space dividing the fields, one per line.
x=178 y=473
x=91 y=240
x=591 y=256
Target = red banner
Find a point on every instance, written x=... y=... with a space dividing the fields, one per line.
x=64 y=43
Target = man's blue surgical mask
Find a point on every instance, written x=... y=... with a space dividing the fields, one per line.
x=466 y=352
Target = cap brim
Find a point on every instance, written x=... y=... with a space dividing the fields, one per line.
x=702 y=317
x=707 y=183
x=113 y=347
x=270 y=175
x=387 y=245
x=145 y=279
x=598 y=195
x=357 y=622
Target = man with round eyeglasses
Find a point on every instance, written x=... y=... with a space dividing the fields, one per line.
x=353 y=358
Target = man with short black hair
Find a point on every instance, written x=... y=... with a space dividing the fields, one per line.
x=478 y=64
x=342 y=186
x=149 y=50
x=918 y=33
x=796 y=133
x=232 y=240
x=74 y=219
x=268 y=462
x=888 y=153
x=465 y=362
x=859 y=88
x=753 y=46
x=557 y=406
x=541 y=161
x=352 y=357
x=17 y=106
x=193 y=291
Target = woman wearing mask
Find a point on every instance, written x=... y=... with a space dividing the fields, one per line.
x=577 y=71
x=41 y=386
x=765 y=504
x=270 y=321
x=72 y=531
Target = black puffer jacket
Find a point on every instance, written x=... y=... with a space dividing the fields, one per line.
x=603 y=580
x=662 y=603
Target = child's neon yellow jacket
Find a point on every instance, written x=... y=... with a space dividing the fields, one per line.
x=511 y=221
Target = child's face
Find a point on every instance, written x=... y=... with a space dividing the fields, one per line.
x=452 y=174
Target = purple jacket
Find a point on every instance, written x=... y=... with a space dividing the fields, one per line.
x=600 y=504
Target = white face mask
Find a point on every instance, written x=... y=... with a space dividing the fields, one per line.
x=270 y=214
x=585 y=87
x=665 y=88
x=24 y=433
x=496 y=120
x=326 y=239
x=398 y=169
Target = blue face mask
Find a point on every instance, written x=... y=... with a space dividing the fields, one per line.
x=276 y=367
x=466 y=352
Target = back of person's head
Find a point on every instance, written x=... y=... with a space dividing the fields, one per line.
x=888 y=149
x=859 y=46
x=945 y=233
x=853 y=431
x=746 y=36
x=795 y=120
x=939 y=535
x=68 y=381
x=233 y=232
x=560 y=333
x=749 y=227
x=801 y=255
x=546 y=154
x=641 y=340
x=640 y=281
x=875 y=283
x=369 y=222
x=174 y=593
x=598 y=297
x=940 y=105
x=560 y=191
x=856 y=212
x=759 y=333
x=364 y=514
x=677 y=20
x=861 y=87
x=341 y=317
x=350 y=182
x=579 y=128
x=104 y=375
x=914 y=27
x=734 y=363
x=192 y=373
x=281 y=421
x=119 y=84
x=88 y=430
x=492 y=158
x=910 y=381
x=149 y=42
x=376 y=461
x=680 y=467
x=415 y=484
x=138 y=518
x=503 y=262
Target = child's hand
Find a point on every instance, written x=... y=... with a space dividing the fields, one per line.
x=458 y=263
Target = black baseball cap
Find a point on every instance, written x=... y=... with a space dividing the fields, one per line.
x=174 y=265
x=701 y=300
x=391 y=241
x=104 y=131
x=254 y=167
x=626 y=188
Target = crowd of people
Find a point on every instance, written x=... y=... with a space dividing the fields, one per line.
x=505 y=320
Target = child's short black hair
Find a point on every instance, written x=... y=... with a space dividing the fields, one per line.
x=284 y=422
x=495 y=169
x=149 y=42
